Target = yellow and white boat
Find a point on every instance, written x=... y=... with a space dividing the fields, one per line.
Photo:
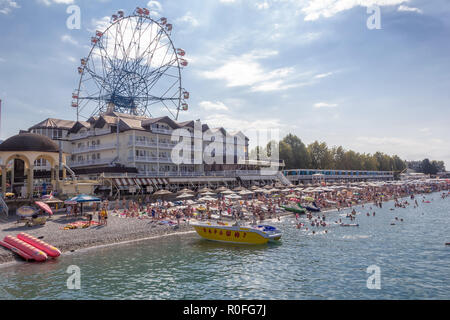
x=225 y=232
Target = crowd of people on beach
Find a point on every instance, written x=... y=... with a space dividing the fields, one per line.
x=260 y=206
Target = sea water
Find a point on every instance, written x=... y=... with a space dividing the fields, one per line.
x=411 y=257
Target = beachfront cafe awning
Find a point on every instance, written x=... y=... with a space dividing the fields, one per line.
x=125 y=183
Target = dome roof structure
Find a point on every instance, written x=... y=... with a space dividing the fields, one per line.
x=29 y=142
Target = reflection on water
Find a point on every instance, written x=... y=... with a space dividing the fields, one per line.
x=412 y=256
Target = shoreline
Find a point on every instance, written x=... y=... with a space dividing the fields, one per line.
x=71 y=241
x=120 y=231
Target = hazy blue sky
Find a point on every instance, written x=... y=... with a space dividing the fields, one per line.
x=309 y=67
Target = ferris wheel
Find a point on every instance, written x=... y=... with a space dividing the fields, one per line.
x=133 y=67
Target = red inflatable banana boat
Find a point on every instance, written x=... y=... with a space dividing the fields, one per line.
x=26 y=248
x=16 y=251
x=50 y=250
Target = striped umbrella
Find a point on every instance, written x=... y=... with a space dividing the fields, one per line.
x=25 y=211
x=81 y=198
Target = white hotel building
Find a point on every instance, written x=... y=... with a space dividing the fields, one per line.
x=119 y=145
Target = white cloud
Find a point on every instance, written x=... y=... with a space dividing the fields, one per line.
x=245 y=70
x=409 y=9
x=325 y=105
x=155 y=8
x=263 y=5
x=323 y=75
x=6 y=6
x=209 y=105
x=328 y=8
x=68 y=39
x=189 y=19
x=100 y=24
x=50 y=2
x=233 y=123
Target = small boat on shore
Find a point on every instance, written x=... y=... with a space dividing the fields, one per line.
x=30 y=248
x=295 y=209
x=225 y=232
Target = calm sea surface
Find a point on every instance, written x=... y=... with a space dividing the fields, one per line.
x=412 y=257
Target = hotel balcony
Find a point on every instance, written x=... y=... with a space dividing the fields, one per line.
x=89 y=134
x=161 y=131
x=92 y=162
x=97 y=147
x=150 y=159
x=153 y=144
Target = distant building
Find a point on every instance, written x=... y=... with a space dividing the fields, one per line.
x=298 y=176
x=443 y=175
x=411 y=174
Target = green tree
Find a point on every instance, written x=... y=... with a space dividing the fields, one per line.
x=299 y=157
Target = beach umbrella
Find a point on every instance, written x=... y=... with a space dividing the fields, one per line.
x=25 y=211
x=207 y=199
x=233 y=196
x=185 y=190
x=162 y=193
x=204 y=190
x=44 y=207
x=208 y=193
x=221 y=189
x=82 y=198
x=310 y=199
x=268 y=187
x=227 y=192
x=239 y=188
x=245 y=192
x=47 y=197
x=254 y=188
x=185 y=196
x=259 y=190
x=274 y=190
